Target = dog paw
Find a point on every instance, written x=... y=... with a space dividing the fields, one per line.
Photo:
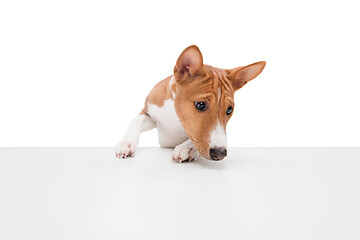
x=125 y=149
x=184 y=152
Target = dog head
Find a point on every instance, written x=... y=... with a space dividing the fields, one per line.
x=204 y=99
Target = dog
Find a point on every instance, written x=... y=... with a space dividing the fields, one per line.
x=190 y=109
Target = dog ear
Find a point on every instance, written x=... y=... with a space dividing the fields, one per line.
x=241 y=75
x=189 y=63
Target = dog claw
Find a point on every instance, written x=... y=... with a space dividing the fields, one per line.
x=183 y=153
x=125 y=149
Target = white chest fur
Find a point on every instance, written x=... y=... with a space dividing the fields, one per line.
x=170 y=130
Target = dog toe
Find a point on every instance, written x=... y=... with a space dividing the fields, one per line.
x=125 y=149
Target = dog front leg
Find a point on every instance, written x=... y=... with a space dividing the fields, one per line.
x=127 y=146
x=184 y=151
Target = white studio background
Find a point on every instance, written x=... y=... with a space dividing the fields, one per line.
x=74 y=73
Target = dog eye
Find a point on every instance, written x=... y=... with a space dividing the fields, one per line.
x=229 y=110
x=201 y=106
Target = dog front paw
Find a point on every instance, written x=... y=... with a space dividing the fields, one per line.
x=125 y=149
x=184 y=152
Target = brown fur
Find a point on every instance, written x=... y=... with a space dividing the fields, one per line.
x=196 y=82
x=204 y=87
x=158 y=94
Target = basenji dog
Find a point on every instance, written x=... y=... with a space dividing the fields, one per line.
x=190 y=109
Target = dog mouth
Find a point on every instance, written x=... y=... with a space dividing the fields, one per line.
x=212 y=154
x=209 y=153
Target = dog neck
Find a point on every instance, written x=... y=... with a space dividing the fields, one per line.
x=172 y=86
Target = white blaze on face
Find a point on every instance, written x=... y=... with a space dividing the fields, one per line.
x=218 y=137
x=219 y=94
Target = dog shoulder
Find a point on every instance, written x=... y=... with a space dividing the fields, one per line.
x=159 y=94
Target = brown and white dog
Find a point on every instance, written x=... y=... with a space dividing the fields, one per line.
x=191 y=108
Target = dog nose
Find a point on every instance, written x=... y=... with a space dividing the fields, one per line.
x=218 y=153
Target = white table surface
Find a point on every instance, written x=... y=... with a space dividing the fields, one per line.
x=255 y=193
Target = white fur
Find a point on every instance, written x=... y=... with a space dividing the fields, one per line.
x=170 y=85
x=170 y=130
x=218 y=137
x=184 y=151
x=219 y=94
x=128 y=144
x=139 y=124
